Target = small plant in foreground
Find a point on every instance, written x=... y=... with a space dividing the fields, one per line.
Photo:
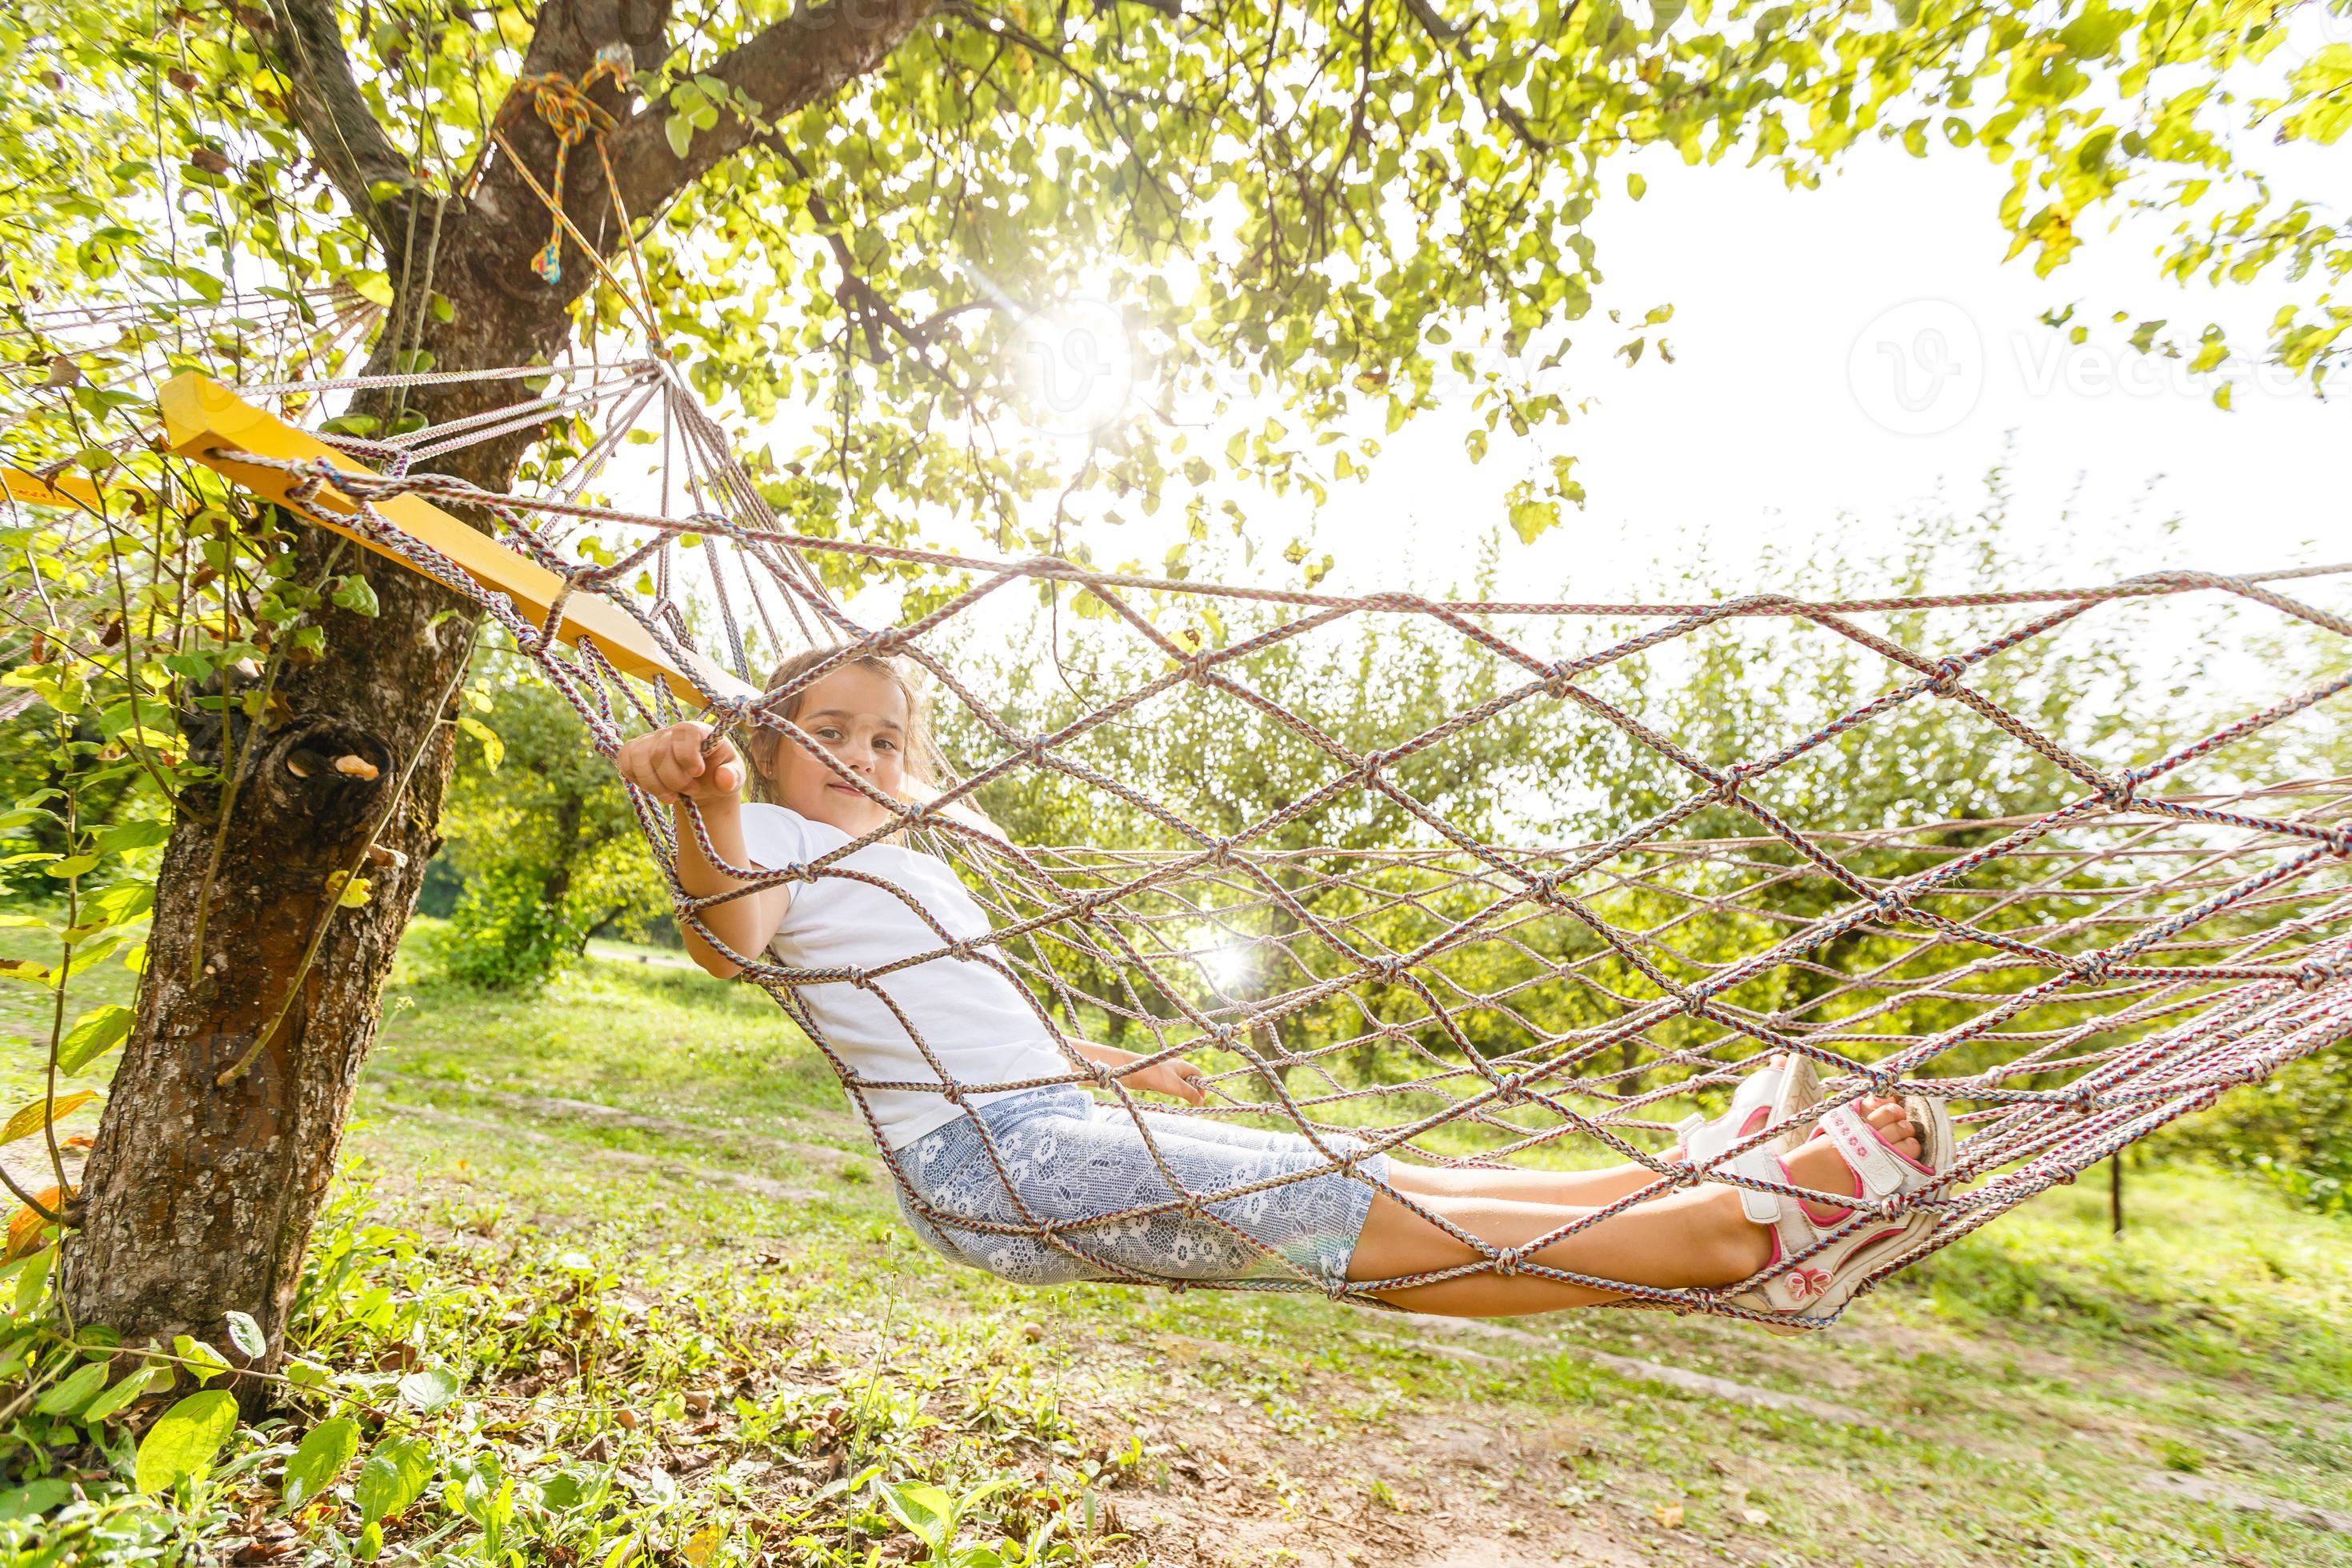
x=456 y=1398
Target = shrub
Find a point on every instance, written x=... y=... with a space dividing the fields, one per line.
x=2294 y=1131
x=504 y=936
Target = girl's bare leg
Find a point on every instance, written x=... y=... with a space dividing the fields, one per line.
x=1689 y=1238
x=1585 y=1189
x=1575 y=1189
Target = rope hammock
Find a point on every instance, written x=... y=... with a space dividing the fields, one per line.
x=2069 y=981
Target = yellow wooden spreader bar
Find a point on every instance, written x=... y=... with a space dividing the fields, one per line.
x=207 y=421
x=66 y=490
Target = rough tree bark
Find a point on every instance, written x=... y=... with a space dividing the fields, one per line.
x=200 y=1195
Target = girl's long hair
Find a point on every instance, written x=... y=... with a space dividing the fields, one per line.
x=758 y=741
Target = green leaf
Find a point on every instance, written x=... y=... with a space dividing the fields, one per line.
x=306 y=1373
x=94 y=1034
x=34 y=1498
x=355 y=594
x=34 y=1279
x=184 y=1439
x=494 y=750
x=2092 y=35
x=69 y=1396
x=71 y=866
x=88 y=955
x=428 y=1388
x=2324 y=84
x=204 y=1361
x=394 y=1476
x=146 y=1380
x=325 y=1450
x=680 y=129
x=207 y=286
x=923 y=1509
x=144 y=834
x=247 y=1336
x=121 y=903
x=1530 y=519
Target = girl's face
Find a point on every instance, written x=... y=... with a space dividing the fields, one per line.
x=860 y=716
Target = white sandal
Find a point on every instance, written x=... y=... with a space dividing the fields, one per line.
x=1818 y=1289
x=1776 y=1096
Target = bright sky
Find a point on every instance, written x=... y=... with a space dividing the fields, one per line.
x=1794 y=312
x=1846 y=357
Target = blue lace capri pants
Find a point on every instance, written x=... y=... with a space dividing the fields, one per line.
x=1070 y=1159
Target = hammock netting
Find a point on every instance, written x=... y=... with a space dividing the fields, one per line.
x=2069 y=981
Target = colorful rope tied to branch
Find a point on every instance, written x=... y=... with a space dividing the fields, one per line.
x=572 y=115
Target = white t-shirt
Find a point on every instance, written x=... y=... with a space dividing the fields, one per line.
x=980 y=1025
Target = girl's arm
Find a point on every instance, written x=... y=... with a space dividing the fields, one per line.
x=671 y=765
x=1175 y=1076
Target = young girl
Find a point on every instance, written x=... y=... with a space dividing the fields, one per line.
x=1024 y=1174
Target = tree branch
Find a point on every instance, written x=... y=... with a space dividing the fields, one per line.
x=805 y=59
x=857 y=296
x=1452 y=39
x=1433 y=23
x=306 y=45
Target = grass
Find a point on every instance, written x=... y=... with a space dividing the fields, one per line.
x=634 y=1222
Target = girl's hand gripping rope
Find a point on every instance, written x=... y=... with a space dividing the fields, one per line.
x=686 y=761
x=1174 y=1077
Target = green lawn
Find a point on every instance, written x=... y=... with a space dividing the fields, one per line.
x=634 y=1217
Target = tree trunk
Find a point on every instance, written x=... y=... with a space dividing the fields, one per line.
x=200 y=1195
x=556 y=886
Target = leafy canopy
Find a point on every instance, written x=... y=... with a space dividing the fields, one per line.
x=1304 y=218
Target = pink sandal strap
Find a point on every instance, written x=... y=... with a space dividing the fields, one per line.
x=1882 y=1167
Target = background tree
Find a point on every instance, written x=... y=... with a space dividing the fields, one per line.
x=542 y=834
x=1213 y=762
x=855 y=215
x=1224 y=765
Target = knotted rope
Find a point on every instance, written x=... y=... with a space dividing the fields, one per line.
x=568 y=111
x=573 y=116
x=2069 y=980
